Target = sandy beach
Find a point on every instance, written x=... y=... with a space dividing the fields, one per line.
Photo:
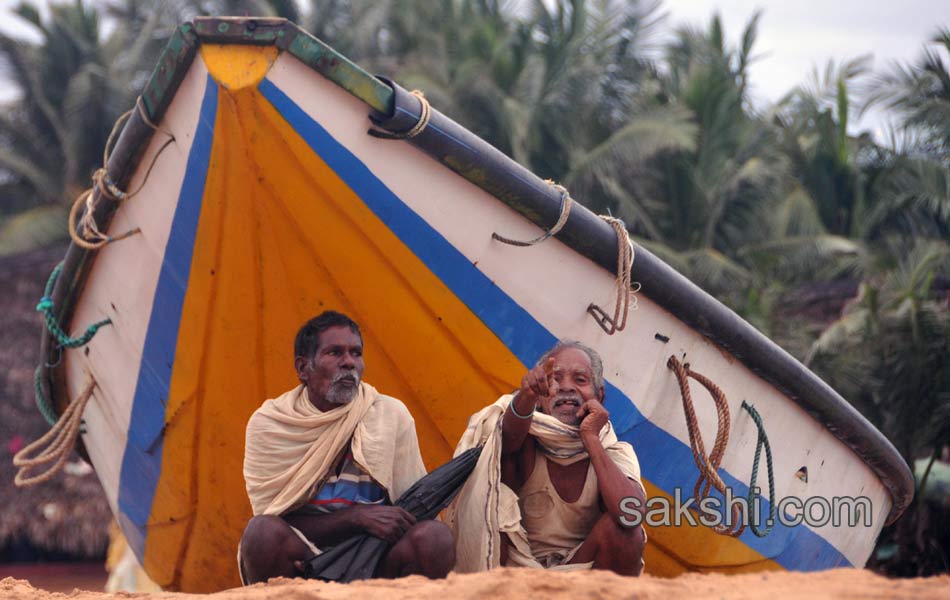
x=524 y=583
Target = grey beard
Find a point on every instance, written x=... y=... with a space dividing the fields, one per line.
x=572 y=419
x=338 y=394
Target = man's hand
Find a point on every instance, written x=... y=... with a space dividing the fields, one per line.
x=388 y=523
x=538 y=383
x=594 y=417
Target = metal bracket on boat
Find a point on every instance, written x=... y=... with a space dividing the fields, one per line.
x=602 y=318
x=59 y=358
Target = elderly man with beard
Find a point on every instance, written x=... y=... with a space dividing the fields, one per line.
x=548 y=488
x=324 y=461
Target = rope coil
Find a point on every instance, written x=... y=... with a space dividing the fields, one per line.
x=708 y=465
x=566 y=203
x=58 y=441
x=425 y=114
x=625 y=258
x=86 y=233
x=626 y=289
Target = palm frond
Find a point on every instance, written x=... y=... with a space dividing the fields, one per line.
x=34 y=228
x=665 y=128
x=797 y=215
x=802 y=258
x=43 y=181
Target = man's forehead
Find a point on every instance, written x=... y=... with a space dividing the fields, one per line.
x=342 y=344
x=339 y=335
x=572 y=359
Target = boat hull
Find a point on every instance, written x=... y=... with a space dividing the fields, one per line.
x=273 y=204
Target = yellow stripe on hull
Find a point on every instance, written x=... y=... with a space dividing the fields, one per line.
x=281 y=238
x=673 y=551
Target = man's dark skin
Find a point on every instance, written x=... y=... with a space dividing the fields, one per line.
x=564 y=387
x=269 y=548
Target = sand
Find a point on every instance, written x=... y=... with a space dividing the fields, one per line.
x=525 y=583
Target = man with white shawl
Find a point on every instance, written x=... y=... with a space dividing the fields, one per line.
x=551 y=480
x=324 y=461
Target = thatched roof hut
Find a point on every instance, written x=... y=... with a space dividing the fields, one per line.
x=67 y=517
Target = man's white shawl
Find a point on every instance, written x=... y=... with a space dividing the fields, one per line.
x=486 y=507
x=291 y=446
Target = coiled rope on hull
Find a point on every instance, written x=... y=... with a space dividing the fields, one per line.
x=51 y=450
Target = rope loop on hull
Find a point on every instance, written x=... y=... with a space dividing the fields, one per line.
x=708 y=464
x=45 y=306
x=51 y=450
x=626 y=295
x=566 y=202
x=85 y=232
x=762 y=442
x=625 y=258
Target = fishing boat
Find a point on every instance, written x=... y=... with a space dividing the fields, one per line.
x=263 y=177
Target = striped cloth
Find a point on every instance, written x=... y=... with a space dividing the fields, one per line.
x=352 y=485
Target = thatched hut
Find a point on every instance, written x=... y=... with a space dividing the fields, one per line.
x=67 y=517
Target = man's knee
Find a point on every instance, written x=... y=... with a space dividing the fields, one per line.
x=434 y=547
x=620 y=536
x=620 y=547
x=431 y=534
x=268 y=548
x=264 y=532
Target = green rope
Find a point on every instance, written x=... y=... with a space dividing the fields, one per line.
x=763 y=441
x=46 y=307
x=42 y=402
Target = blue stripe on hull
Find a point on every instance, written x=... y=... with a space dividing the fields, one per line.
x=142 y=461
x=664 y=460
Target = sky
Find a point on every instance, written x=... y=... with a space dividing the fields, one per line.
x=794 y=37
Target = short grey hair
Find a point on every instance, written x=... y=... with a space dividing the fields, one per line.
x=596 y=363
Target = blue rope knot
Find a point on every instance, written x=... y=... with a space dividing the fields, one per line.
x=46 y=303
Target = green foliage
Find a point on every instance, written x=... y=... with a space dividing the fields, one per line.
x=34 y=228
x=887 y=352
x=920 y=94
x=74 y=83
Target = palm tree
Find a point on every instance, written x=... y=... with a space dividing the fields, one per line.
x=698 y=205
x=548 y=86
x=887 y=353
x=915 y=191
x=920 y=95
x=818 y=223
x=73 y=85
